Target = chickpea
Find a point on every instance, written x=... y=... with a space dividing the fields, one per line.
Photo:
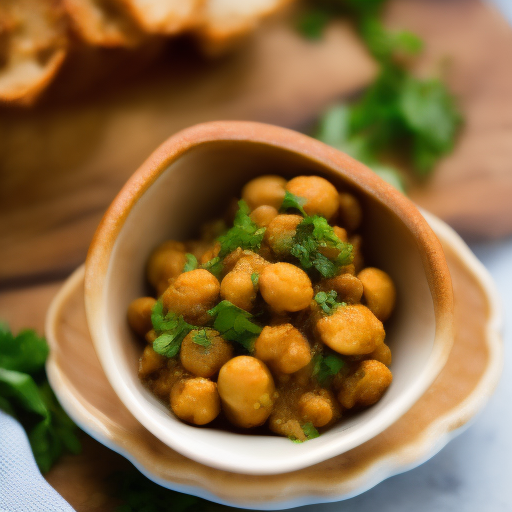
x=321 y=195
x=283 y=348
x=382 y=354
x=366 y=385
x=250 y=262
x=238 y=288
x=150 y=362
x=139 y=315
x=263 y=215
x=212 y=229
x=318 y=408
x=379 y=292
x=167 y=377
x=351 y=330
x=166 y=261
x=195 y=400
x=246 y=389
x=151 y=336
x=287 y=428
x=285 y=287
x=210 y=253
x=280 y=232
x=350 y=211
x=192 y=294
x=264 y=190
x=348 y=287
x=205 y=361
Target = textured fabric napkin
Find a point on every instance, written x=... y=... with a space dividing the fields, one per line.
x=22 y=487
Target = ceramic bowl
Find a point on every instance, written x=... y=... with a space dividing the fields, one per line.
x=195 y=173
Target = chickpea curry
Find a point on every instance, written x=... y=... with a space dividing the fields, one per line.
x=273 y=322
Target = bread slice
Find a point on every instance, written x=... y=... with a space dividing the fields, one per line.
x=225 y=21
x=103 y=23
x=33 y=46
x=165 y=16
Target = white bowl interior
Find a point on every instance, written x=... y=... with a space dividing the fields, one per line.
x=202 y=181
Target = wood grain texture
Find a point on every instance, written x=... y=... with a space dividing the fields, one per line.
x=61 y=165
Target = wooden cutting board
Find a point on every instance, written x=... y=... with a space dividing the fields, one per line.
x=62 y=163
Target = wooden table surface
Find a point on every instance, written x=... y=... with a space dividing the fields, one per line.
x=63 y=162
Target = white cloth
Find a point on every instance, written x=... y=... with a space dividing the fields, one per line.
x=22 y=487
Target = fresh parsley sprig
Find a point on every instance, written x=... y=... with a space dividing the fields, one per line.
x=170 y=328
x=326 y=367
x=202 y=337
x=327 y=301
x=245 y=233
x=26 y=395
x=234 y=324
x=313 y=234
x=399 y=114
x=292 y=201
x=190 y=263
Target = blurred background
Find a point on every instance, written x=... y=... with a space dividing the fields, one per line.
x=419 y=90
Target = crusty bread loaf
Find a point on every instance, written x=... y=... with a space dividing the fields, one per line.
x=35 y=35
x=103 y=23
x=32 y=49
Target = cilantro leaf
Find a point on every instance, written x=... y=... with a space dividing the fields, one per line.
x=327 y=301
x=292 y=201
x=398 y=114
x=234 y=324
x=255 y=277
x=191 y=263
x=313 y=22
x=310 y=431
x=244 y=233
x=26 y=395
x=215 y=266
x=313 y=234
x=171 y=330
x=26 y=352
x=202 y=337
x=326 y=367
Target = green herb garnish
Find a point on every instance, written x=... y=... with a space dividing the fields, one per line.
x=191 y=262
x=255 y=277
x=171 y=329
x=313 y=234
x=292 y=201
x=234 y=324
x=202 y=337
x=399 y=113
x=310 y=431
x=326 y=367
x=215 y=266
x=244 y=234
x=327 y=301
x=26 y=395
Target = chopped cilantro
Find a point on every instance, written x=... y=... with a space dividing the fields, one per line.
x=26 y=395
x=326 y=367
x=312 y=234
x=327 y=301
x=244 y=233
x=215 y=266
x=292 y=201
x=171 y=330
x=202 y=337
x=255 y=277
x=191 y=263
x=399 y=113
x=310 y=431
x=234 y=324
